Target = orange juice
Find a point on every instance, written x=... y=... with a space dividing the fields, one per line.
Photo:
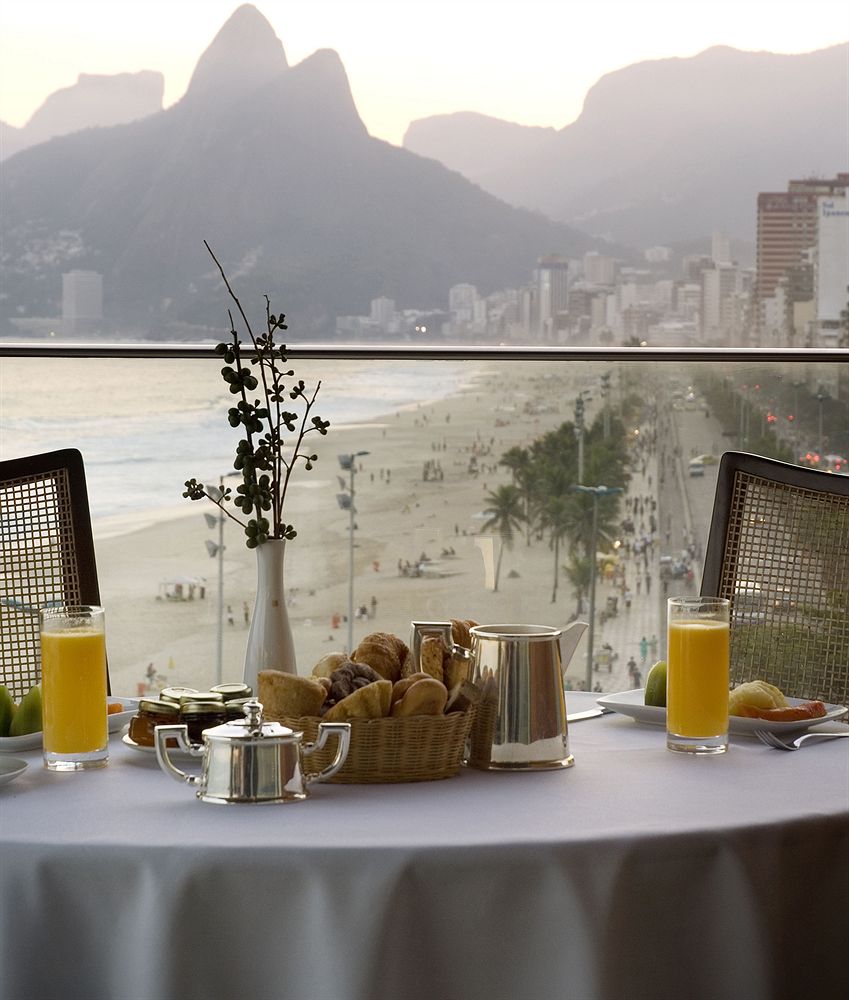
x=697 y=678
x=73 y=689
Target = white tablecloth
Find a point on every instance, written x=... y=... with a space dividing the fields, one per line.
x=636 y=873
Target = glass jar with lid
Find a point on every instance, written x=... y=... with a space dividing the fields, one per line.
x=201 y=715
x=152 y=713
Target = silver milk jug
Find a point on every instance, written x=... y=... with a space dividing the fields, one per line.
x=520 y=719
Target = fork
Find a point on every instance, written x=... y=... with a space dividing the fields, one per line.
x=771 y=740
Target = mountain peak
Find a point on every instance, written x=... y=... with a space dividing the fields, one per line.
x=244 y=55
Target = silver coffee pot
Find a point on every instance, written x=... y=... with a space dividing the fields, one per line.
x=249 y=760
x=520 y=718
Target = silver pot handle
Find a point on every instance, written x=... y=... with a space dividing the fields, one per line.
x=325 y=731
x=181 y=734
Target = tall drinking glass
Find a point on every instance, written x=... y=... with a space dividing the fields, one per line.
x=73 y=688
x=697 y=675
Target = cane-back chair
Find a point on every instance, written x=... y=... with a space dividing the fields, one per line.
x=779 y=549
x=46 y=555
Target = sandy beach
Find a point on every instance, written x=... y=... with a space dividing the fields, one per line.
x=400 y=517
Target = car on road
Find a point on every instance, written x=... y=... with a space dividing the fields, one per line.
x=696 y=467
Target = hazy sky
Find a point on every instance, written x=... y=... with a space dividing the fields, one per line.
x=528 y=61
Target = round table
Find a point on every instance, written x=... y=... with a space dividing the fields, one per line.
x=636 y=873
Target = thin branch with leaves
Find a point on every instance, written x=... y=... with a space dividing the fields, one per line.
x=264 y=457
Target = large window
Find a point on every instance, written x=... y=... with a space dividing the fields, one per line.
x=465 y=504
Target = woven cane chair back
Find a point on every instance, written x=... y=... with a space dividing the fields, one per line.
x=46 y=555
x=779 y=549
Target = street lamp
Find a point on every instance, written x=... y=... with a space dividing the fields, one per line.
x=595 y=492
x=217 y=549
x=820 y=399
x=348 y=464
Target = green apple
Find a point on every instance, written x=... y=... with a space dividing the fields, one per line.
x=656 y=685
x=27 y=717
x=7 y=710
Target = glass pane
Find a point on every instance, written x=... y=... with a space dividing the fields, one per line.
x=465 y=499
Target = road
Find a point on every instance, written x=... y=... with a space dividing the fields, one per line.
x=684 y=506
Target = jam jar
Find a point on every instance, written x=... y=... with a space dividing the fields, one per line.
x=200 y=715
x=150 y=715
x=235 y=708
x=229 y=692
x=174 y=694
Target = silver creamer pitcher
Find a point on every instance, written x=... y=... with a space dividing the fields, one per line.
x=520 y=719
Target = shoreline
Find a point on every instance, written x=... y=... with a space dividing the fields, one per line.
x=400 y=516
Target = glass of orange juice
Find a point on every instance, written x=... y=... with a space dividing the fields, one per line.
x=73 y=688
x=697 y=675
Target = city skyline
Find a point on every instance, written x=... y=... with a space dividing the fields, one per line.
x=531 y=63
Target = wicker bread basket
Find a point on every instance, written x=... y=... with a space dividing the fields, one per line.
x=419 y=748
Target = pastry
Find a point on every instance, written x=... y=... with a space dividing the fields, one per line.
x=348 y=678
x=381 y=652
x=431 y=656
x=369 y=702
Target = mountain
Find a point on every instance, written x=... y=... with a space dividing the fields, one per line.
x=273 y=166
x=666 y=150
x=94 y=100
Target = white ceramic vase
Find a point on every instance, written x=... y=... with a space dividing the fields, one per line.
x=270 y=645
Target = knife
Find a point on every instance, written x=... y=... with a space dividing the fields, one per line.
x=591 y=713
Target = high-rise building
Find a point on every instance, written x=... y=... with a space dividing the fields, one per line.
x=787 y=231
x=831 y=268
x=383 y=313
x=720 y=285
x=720 y=248
x=599 y=269
x=552 y=281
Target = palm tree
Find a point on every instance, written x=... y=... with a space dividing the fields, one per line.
x=579 y=573
x=505 y=516
x=518 y=461
x=556 y=515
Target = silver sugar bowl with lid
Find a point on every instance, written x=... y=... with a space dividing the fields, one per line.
x=249 y=760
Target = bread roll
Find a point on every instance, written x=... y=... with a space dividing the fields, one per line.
x=289 y=696
x=399 y=688
x=425 y=697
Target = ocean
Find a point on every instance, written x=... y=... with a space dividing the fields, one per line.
x=144 y=426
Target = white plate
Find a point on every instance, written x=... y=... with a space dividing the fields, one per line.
x=10 y=768
x=172 y=751
x=31 y=741
x=632 y=703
